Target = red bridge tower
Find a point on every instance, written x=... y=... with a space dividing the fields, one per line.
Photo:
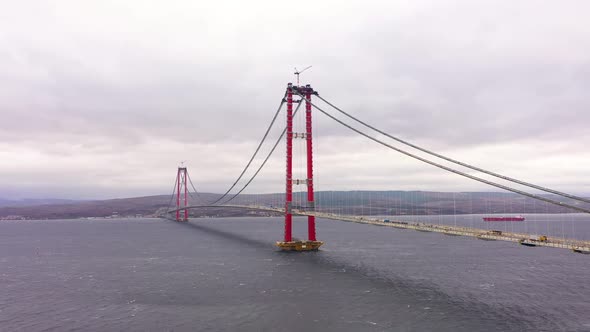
x=181 y=190
x=288 y=243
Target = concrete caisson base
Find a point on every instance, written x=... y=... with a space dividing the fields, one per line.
x=300 y=245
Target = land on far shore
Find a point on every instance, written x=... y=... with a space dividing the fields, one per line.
x=343 y=202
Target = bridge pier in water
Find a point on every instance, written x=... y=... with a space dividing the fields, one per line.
x=288 y=244
x=181 y=189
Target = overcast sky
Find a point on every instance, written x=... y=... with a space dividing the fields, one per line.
x=103 y=99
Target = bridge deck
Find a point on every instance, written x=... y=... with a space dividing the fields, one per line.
x=525 y=239
x=466 y=231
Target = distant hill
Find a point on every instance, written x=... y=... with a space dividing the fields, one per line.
x=34 y=201
x=78 y=209
x=343 y=202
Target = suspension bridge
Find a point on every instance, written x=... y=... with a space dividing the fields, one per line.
x=502 y=213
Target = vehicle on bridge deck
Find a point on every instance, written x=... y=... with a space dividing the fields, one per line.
x=502 y=218
x=532 y=242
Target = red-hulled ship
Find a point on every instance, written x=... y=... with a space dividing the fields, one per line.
x=514 y=218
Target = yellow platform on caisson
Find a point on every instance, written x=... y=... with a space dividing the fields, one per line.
x=299 y=245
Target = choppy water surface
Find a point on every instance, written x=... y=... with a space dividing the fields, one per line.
x=225 y=275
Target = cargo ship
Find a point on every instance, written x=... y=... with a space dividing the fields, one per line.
x=513 y=218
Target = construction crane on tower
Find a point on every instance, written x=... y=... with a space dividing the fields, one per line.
x=297 y=72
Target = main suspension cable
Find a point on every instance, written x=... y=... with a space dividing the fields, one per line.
x=172 y=196
x=524 y=193
x=475 y=168
x=266 y=159
x=195 y=190
x=255 y=153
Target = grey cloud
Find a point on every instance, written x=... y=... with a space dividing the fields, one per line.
x=143 y=85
